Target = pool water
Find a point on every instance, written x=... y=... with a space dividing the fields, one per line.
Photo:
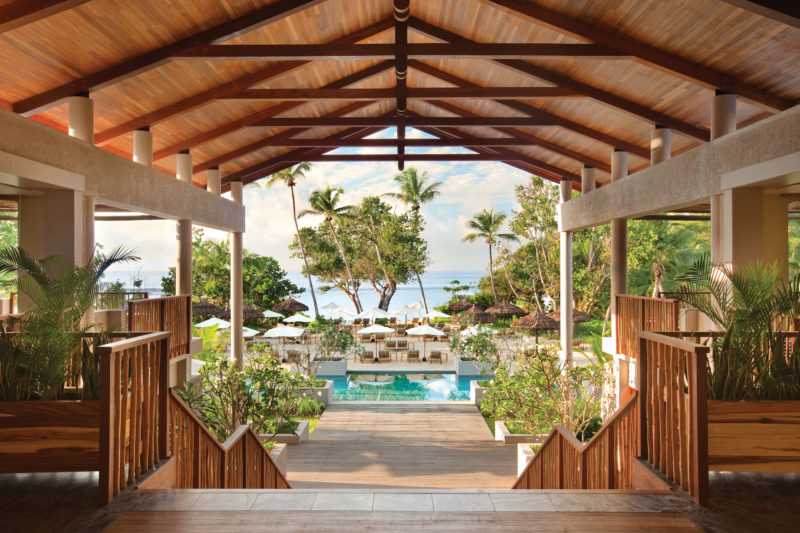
x=398 y=386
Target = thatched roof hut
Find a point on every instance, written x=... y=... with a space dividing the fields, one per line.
x=476 y=315
x=290 y=305
x=536 y=322
x=205 y=309
x=462 y=305
x=506 y=309
x=247 y=313
x=578 y=317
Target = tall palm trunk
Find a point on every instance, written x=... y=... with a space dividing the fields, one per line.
x=491 y=273
x=303 y=252
x=422 y=291
x=356 y=299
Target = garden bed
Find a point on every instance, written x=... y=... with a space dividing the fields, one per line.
x=503 y=434
x=323 y=394
x=476 y=391
x=301 y=434
x=49 y=436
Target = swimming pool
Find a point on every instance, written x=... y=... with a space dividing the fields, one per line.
x=400 y=386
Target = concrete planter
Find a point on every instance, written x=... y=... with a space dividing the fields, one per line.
x=321 y=394
x=524 y=456
x=280 y=457
x=331 y=368
x=476 y=392
x=471 y=368
x=290 y=438
x=502 y=434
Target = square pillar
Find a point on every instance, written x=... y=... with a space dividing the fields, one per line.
x=566 y=295
x=237 y=296
x=619 y=242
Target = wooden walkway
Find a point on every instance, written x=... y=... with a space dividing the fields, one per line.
x=402 y=444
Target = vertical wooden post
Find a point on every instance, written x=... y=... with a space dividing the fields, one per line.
x=611 y=463
x=699 y=429
x=163 y=397
x=244 y=461
x=106 y=489
x=641 y=385
x=617 y=324
x=583 y=469
x=196 y=457
x=560 y=462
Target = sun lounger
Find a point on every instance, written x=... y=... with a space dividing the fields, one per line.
x=383 y=355
x=436 y=356
x=413 y=355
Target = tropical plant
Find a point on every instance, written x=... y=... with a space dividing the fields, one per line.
x=289 y=177
x=35 y=362
x=414 y=192
x=480 y=346
x=486 y=226
x=325 y=203
x=751 y=358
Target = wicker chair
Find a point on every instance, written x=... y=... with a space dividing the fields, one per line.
x=413 y=355
x=436 y=356
x=383 y=355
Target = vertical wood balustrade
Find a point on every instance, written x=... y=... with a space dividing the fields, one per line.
x=117 y=300
x=133 y=409
x=639 y=313
x=172 y=314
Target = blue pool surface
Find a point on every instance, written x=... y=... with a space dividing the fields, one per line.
x=400 y=386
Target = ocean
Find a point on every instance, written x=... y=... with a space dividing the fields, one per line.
x=433 y=282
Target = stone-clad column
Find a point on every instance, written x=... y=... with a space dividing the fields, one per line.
x=183 y=259
x=237 y=297
x=566 y=282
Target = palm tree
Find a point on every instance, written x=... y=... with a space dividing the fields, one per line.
x=325 y=203
x=486 y=225
x=289 y=177
x=414 y=192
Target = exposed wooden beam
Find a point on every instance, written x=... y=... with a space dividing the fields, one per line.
x=450 y=93
x=222 y=91
x=408 y=157
x=154 y=58
x=402 y=12
x=366 y=122
x=375 y=143
x=536 y=113
x=126 y=218
x=645 y=53
x=565 y=82
x=784 y=11
x=293 y=52
x=22 y=12
x=251 y=120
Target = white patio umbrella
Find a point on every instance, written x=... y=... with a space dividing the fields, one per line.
x=425 y=331
x=375 y=328
x=213 y=321
x=298 y=317
x=372 y=314
x=408 y=311
x=248 y=332
x=282 y=332
x=417 y=305
x=271 y=314
x=433 y=313
x=334 y=311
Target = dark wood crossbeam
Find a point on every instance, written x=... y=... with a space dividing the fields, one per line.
x=565 y=82
x=250 y=120
x=784 y=11
x=409 y=157
x=282 y=140
x=154 y=58
x=291 y=52
x=463 y=93
x=22 y=12
x=222 y=91
x=366 y=122
x=645 y=53
x=402 y=11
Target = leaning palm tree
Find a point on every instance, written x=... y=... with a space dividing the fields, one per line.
x=325 y=203
x=289 y=177
x=415 y=192
x=486 y=225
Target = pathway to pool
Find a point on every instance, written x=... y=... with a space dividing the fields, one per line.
x=360 y=445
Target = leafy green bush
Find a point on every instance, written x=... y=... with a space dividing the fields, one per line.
x=480 y=346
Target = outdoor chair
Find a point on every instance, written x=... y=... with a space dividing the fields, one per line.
x=292 y=355
x=436 y=356
x=391 y=345
x=383 y=355
x=402 y=345
x=413 y=355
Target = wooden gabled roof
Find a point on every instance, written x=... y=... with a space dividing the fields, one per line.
x=547 y=85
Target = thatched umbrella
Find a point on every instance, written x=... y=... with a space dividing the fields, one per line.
x=578 y=317
x=462 y=305
x=505 y=310
x=247 y=313
x=290 y=305
x=536 y=321
x=477 y=315
x=205 y=308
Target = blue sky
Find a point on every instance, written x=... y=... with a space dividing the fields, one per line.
x=467 y=188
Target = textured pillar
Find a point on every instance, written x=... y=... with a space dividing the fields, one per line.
x=143 y=147
x=237 y=298
x=587 y=179
x=183 y=257
x=213 y=180
x=566 y=283
x=183 y=166
x=723 y=121
x=660 y=144
x=81 y=117
x=619 y=242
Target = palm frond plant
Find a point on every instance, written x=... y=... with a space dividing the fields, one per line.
x=752 y=359
x=35 y=362
x=486 y=226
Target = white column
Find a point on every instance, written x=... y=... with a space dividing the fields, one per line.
x=723 y=121
x=566 y=283
x=183 y=166
x=660 y=144
x=143 y=146
x=81 y=117
x=183 y=256
x=213 y=180
x=81 y=126
x=587 y=179
x=619 y=241
x=237 y=298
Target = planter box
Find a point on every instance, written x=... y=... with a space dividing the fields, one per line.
x=476 y=392
x=757 y=436
x=280 y=456
x=471 y=368
x=502 y=434
x=331 y=368
x=49 y=436
x=321 y=394
x=290 y=438
x=524 y=456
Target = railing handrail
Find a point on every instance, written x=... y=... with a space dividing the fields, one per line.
x=133 y=341
x=673 y=342
x=197 y=421
x=163 y=315
x=636 y=313
x=629 y=403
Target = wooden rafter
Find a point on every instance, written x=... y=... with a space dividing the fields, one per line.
x=508 y=156
x=153 y=58
x=380 y=143
x=365 y=122
x=784 y=11
x=22 y=12
x=222 y=91
x=464 y=93
x=310 y=52
x=655 y=57
x=253 y=119
x=565 y=82
x=402 y=11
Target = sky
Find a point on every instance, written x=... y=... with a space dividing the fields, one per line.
x=467 y=188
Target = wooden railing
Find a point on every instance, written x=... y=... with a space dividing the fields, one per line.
x=117 y=300
x=133 y=409
x=241 y=462
x=605 y=462
x=673 y=395
x=639 y=313
x=172 y=313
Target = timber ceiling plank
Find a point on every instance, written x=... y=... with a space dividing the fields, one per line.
x=22 y=12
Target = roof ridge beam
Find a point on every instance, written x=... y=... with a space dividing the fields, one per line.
x=412 y=92
x=153 y=58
